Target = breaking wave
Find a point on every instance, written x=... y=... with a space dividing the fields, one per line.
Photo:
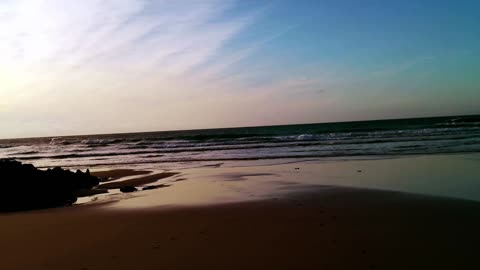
x=354 y=139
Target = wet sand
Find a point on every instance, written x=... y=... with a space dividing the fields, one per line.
x=263 y=217
x=139 y=181
x=110 y=175
x=337 y=228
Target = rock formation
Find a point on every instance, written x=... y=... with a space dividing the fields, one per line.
x=23 y=187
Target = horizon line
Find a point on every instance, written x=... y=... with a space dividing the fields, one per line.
x=236 y=127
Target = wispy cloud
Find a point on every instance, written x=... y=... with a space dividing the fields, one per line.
x=93 y=66
x=110 y=50
x=171 y=35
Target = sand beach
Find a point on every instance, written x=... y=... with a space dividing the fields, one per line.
x=256 y=220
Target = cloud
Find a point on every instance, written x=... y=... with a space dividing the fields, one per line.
x=102 y=66
x=88 y=55
x=172 y=35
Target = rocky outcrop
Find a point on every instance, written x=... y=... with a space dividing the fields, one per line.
x=23 y=187
x=128 y=189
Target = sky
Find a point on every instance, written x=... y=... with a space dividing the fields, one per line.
x=106 y=66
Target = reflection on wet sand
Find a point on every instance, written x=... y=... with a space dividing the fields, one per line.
x=266 y=217
x=428 y=175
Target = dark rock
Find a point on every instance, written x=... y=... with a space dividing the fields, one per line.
x=127 y=189
x=24 y=187
x=155 y=187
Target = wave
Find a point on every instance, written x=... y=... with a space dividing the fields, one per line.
x=74 y=155
x=59 y=141
x=328 y=139
x=392 y=137
x=332 y=156
x=101 y=142
x=301 y=137
x=470 y=121
x=377 y=145
x=24 y=153
x=6 y=146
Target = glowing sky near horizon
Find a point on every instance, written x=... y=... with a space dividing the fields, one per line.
x=104 y=66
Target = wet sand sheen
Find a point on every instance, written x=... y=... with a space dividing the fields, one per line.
x=111 y=175
x=137 y=181
x=447 y=175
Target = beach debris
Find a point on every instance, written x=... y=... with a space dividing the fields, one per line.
x=359 y=170
x=128 y=189
x=297 y=168
x=24 y=187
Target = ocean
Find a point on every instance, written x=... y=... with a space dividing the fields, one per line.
x=212 y=147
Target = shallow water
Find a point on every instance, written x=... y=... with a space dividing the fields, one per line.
x=455 y=176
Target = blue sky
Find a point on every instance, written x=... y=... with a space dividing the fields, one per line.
x=77 y=67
